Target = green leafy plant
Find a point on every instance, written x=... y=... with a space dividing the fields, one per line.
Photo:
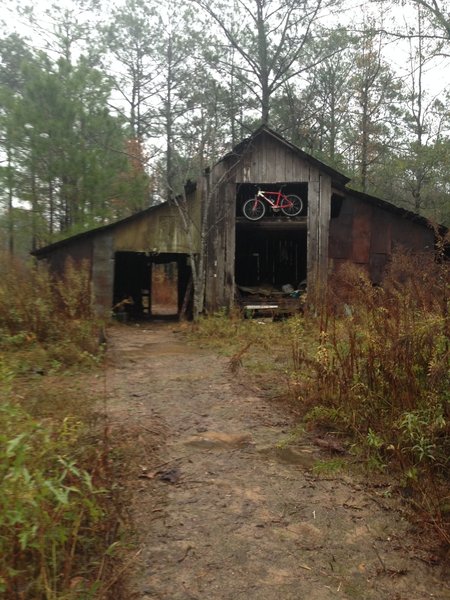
x=49 y=506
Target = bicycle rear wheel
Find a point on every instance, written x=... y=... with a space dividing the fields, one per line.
x=254 y=209
x=295 y=207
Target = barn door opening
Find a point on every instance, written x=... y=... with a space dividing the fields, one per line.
x=149 y=285
x=132 y=281
x=271 y=258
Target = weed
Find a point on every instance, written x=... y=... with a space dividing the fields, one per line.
x=51 y=508
x=291 y=438
x=37 y=310
x=330 y=466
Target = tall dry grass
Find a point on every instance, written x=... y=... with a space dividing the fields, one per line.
x=377 y=366
x=36 y=308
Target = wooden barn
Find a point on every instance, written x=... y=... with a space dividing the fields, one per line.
x=277 y=252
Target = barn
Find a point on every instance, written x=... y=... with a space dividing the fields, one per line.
x=336 y=225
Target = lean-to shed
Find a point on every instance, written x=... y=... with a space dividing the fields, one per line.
x=122 y=255
x=336 y=225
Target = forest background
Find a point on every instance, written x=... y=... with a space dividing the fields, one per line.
x=107 y=108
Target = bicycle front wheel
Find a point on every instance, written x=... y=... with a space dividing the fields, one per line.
x=254 y=209
x=294 y=206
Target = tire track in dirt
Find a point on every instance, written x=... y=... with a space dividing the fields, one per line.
x=232 y=516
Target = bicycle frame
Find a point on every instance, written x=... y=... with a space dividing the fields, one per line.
x=280 y=202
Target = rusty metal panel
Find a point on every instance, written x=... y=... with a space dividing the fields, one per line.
x=361 y=236
x=377 y=266
x=78 y=251
x=381 y=232
x=411 y=235
x=340 y=244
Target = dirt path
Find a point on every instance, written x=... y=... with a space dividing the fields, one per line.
x=232 y=516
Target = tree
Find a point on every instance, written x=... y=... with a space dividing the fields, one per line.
x=316 y=115
x=13 y=54
x=374 y=109
x=439 y=14
x=130 y=42
x=425 y=120
x=64 y=150
x=274 y=41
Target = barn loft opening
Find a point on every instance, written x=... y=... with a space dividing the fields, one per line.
x=244 y=191
x=271 y=252
x=149 y=285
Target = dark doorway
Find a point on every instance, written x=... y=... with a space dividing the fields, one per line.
x=148 y=285
x=132 y=281
x=270 y=256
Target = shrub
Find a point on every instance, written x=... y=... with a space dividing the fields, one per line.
x=379 y=369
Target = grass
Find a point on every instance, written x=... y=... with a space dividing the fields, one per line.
x=331 y=466
x=59 y=511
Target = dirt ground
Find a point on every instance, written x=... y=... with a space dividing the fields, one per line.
x=225 y=510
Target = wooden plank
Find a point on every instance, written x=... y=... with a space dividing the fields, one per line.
x=209 y=258
x=261 y=165
x=313 y=238
x=289 y=167
x=323 y=230
x=273 y=223
x=300 y=170
x=103 y=274
x=230 y=245
x=281 y=156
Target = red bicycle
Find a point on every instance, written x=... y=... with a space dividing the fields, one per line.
x=255 y=208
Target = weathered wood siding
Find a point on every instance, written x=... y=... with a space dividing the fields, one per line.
x=220 y=199
x=268 y=161
x=265 y=161
x=163 y=230
x=80 y=250
x=319 y=197
x=103 y=273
